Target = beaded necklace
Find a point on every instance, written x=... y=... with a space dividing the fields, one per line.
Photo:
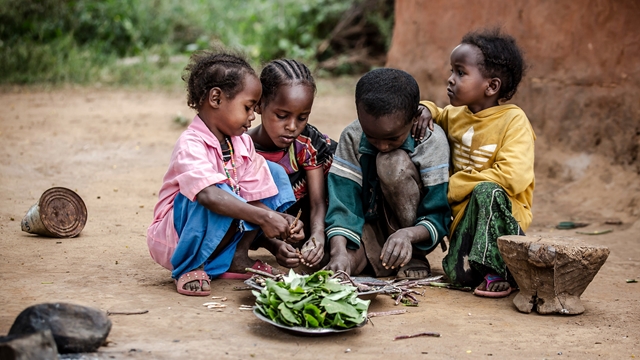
x=234 y=184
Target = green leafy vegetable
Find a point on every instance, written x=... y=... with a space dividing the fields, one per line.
x=313 y=301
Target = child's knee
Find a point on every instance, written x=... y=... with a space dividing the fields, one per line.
x=396 y=166
x=487 y=186
x=488 y=190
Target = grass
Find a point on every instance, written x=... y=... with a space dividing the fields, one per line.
x=90 y=42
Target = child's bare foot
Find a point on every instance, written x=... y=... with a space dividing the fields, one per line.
x=415 y=269
x=238 y=265
x=339 y=262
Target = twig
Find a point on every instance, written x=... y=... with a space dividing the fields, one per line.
x=295 y=222
x=449 y=286
x=400 y=337
x=239 y=288
x=399 y=298
x=413 y=298
x=343 y=274
x=127 y=312
x=260 y=272
x=386 y=313
x=597 y=232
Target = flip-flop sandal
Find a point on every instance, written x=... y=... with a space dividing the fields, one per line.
x=490 y=278
x=194 y=275
x=258 y=265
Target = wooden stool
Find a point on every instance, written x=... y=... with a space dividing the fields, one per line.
x=551 y=271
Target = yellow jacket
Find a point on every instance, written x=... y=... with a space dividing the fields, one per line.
x=495 y=144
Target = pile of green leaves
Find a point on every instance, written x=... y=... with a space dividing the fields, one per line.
x=312 y=301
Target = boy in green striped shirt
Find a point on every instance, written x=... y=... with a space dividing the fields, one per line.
x=387 y=191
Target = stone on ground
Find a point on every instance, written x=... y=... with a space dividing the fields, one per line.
x=75 y=328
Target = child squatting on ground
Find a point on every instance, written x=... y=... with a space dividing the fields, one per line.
x=218 y=193
x=492 y=147
x=387 y=191
x=286 y=138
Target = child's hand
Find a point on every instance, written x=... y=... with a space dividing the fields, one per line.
x=276 y=227
x=286 y=255
x=312 y=251
x=296 y=229
x=396 y=251
x=421 y=123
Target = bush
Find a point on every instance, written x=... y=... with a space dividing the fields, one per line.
x=81 y=41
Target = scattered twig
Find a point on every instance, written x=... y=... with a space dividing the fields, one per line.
x=346 y=279
x=596 y=232
x=127 y=312
x=399 y=298
x=216 y=306
x=449 y=286
x=263 y=273
x=241 y=288
x=386 y=313
x=432 y=334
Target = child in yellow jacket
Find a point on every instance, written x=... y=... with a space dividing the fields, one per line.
x=492 y=153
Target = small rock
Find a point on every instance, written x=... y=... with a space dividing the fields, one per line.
x=37 y=345
x=75 y=328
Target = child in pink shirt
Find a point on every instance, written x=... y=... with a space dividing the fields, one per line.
x=218 y=193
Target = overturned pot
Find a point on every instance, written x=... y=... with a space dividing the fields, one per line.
x=59 y=213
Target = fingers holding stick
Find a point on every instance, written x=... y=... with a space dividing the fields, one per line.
x=295 y=222
x=296 y=229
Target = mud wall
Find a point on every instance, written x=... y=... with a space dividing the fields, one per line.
x=582 y=89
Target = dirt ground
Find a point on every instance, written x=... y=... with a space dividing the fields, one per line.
x=113 y=147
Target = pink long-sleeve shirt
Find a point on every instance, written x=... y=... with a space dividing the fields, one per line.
x=197 y=163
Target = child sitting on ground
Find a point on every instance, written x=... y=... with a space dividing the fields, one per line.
x=492 y=181
x=387 y=191
x=217 y=187
x=285 y=137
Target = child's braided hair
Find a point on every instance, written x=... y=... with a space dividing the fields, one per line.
x=209 y=69
x=502 y=58
x=283 y=71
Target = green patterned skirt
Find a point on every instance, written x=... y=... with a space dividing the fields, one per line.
x=473 y=251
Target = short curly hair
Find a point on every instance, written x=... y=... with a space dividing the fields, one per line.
x=387 y=91
x=284 y=71
x=502 y=58
x=208 y=69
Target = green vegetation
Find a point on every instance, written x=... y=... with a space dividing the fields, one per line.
x=311 y=301
x=147 y=42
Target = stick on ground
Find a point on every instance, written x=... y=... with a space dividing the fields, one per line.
x=386 y=313
x=127 y=312
x=433 y=334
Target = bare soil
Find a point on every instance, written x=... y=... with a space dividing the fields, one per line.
x=113 y=147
